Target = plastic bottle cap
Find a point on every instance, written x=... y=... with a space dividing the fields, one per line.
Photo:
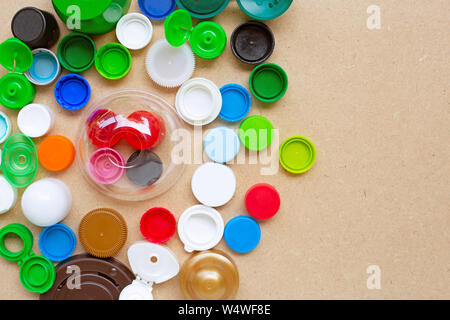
x=207 y=190
x=260 y=10
x=297 y=154
x=222 y=144
x=15 y=55
x=106 y=166
x=198 y=101
x=256 y=133
x=37 y=273
x=76 y=52
x=57 y=242
x=46 y=202
x=157 y=9
x=134 y=31
x=158 y=225
x=5 y=127
x=16 y=91
x=262 y=201
x=170 y=66
x=113 y=61
x=144 y=168
x=200 y=228
x=151 y=263
x=252 y=42
x=236 y=102
x=45 y=68
x=19 y=160
x=208 y=39
x=8 y=195
x=242 y=234
x=203 y=9
x=103 y=232
x=268 y=82
x=99 y=279
x=56 y=153
x=209 y=275
x=35 y=120
x=72 y=92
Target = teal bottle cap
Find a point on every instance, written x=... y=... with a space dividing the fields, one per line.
x=76 y=52
x=203 y=9
x=113 y=61
x=268 y=82
x=256 y=133
x=37 y=273
x=297 y=154
x=15 y=55
x=264 y=10
x=16 y=91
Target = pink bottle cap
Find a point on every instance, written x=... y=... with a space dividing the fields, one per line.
x=106 y=166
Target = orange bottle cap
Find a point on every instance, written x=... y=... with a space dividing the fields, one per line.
x=56 y=153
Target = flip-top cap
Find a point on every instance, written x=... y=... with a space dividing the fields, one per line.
x=15 y=55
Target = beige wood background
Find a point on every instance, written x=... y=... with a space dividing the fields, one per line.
x=375 y=103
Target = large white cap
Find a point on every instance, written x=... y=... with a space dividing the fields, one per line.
x=134 y=31
x=35 y=120
x=151 y=263
x=8 y=195
x=46 y=202
x=200 y=228
x=198 y=101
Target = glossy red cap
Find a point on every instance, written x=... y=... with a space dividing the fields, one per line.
x=262 y=201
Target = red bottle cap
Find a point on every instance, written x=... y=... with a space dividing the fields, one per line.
x=262 y=201
x=158 y=225
x=144 y=130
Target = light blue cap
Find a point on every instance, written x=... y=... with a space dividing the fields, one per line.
x=45 y=68
x=242 y=234
x=222 y=144
x=57 y=242
x=236 y=102
x=5 y=127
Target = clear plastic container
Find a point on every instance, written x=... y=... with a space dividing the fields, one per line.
x=125 y=146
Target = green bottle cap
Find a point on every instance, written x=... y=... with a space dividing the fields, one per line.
x=19 y=160
x=268 y=82
x=203 y=9
x=297 y=154
x=15 y=55
x=37 y=273
x=113 y=61
x=76 y=52
x=178 y=28
x=256 y=133
x=16 y=91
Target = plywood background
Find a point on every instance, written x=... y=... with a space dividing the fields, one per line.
x=375 y=103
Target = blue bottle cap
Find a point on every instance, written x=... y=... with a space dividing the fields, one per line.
x=222 y=144
x=57 y=242
x=72 y=92
x=242 y=234
x=45 y=68
x=157 y=9
x=5 y=128
x=236 y=102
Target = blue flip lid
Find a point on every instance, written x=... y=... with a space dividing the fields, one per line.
x=242 y=234
x=72 y=92
x=57 y=242
x=236 y=102
x=157 y=9
x=222 y=144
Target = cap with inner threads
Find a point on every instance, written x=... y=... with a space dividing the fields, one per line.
x=76 y=52
x=113 y=61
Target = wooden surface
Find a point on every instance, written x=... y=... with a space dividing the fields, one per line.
x=376 y=105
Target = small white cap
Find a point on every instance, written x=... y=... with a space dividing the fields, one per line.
x=134 y=31
x=170 y=66
x=35 y=120
x=199 y=101
x=213 y=184
x=8 y=195
x=5 y=127
x=200 y=228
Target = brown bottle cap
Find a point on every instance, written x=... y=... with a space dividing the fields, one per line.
x=103 y=232
x=209 y=275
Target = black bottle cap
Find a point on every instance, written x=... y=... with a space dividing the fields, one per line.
x=144 y=168
x=252 y=42
x=36 y=28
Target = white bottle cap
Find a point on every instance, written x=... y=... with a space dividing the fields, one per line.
x=213 y=184
x=134 y=31
x=170 y=66
x=5 y=127
x=35 y=120
x=200 y=228
x=151 y=263
x=8 y=195
x=199 y=101
x=46 y=202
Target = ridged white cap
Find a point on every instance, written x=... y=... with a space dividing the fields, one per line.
x=134 y=31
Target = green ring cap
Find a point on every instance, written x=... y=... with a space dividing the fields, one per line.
x=297 y=154
x=208 y=40
x=76 y=52
x=203 y=9
x=256 y=133
x=16 y=91
x=113 y=61
x=15 y=55
x=37 y=273
x=19 y=160
x=264 y=10
x=268 y=82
